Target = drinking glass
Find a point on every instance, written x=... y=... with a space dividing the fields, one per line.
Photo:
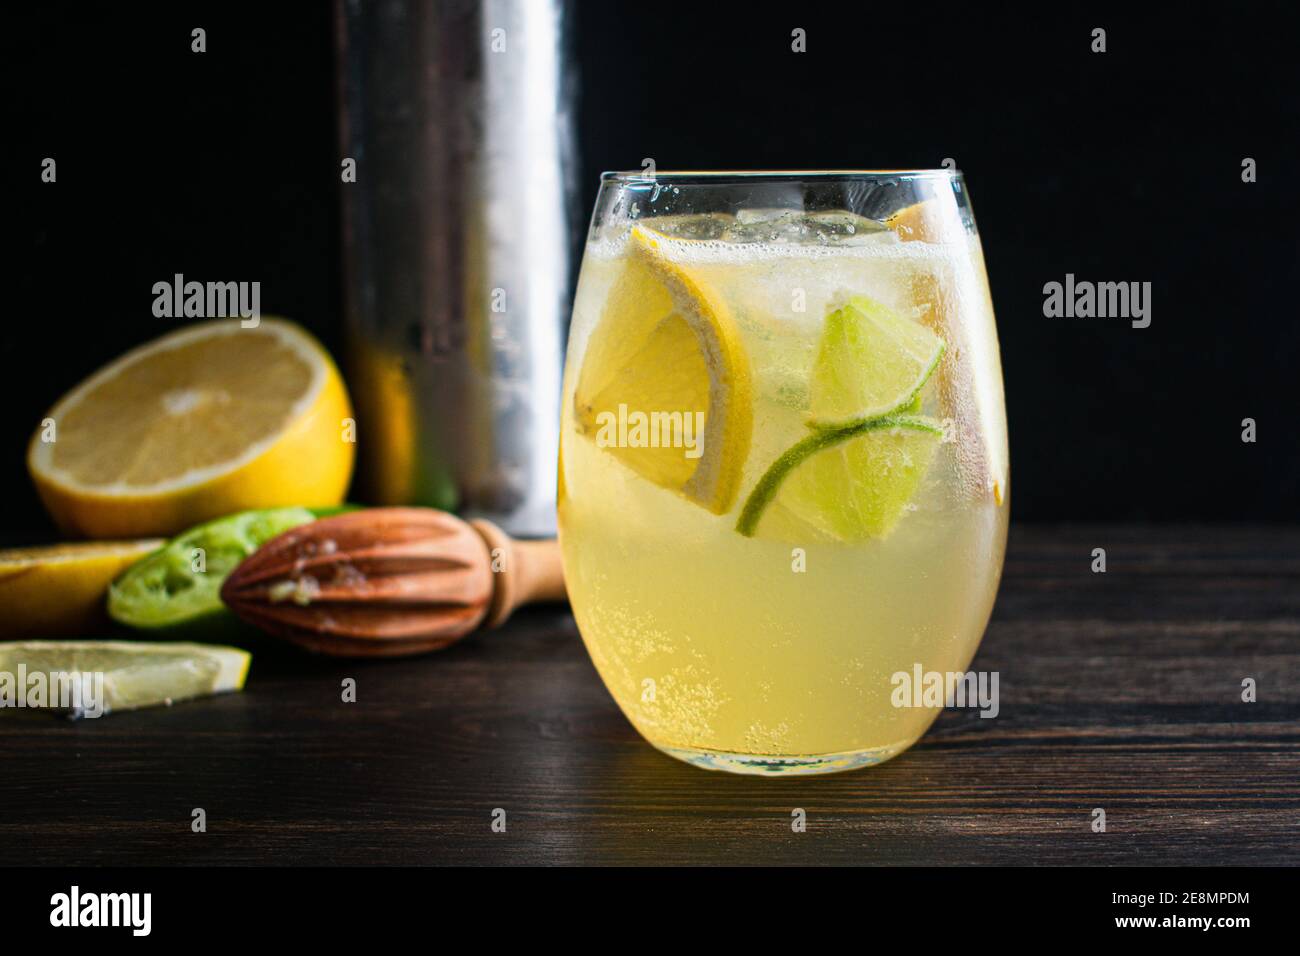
x=783 y=482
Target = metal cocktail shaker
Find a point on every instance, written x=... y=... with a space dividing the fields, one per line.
x=457 y=250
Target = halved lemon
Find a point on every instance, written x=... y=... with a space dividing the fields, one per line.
x=667 y=345
x=135 y=674
x=59 y=589
x=208 y=420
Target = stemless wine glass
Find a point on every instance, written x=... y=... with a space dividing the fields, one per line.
x=783 y=467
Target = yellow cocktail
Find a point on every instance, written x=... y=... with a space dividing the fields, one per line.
x=783 y=472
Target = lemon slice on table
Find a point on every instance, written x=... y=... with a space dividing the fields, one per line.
x=667 y=343
x=59 y=589
x=135 y=673
x=208 y=420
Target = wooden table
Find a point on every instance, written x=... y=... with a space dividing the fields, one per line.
x=1119 y=690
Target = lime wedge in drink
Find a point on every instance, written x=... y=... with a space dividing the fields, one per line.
x=870 y=362
x=852 y=478
x=850 y=483
x=135 y=674
x=181 y=583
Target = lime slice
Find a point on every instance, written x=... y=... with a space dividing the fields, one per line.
x=135 y=674
x=181 y=583
x=667 y=355
x=870 y=362
x=850 y=483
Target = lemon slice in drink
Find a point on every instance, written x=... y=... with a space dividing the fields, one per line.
x=135 y=674
x=936 y=219
x=666 y=348
x=981 y=443
x=59 y=589
x=870 y=362
x=205 y=421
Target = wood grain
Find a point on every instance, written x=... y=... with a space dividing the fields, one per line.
x=1119 y=690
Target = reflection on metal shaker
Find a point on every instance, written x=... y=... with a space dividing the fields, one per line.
x=457 y=250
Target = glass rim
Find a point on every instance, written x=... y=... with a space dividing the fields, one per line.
x=721 y=177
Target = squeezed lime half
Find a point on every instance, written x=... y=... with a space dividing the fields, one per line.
x=181 y=582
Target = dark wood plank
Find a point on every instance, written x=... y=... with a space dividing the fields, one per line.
x=1118 y=691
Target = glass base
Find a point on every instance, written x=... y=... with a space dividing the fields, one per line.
x=785 y=765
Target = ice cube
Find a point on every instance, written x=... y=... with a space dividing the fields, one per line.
x=700 y=227
x=834 y=227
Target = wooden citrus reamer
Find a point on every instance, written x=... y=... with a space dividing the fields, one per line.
x=390 y=581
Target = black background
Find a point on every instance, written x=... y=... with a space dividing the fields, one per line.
x=1122 y=166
